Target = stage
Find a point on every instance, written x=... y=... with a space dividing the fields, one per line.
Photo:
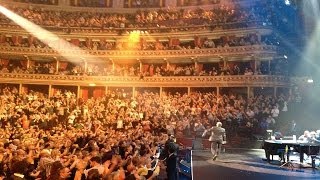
x=247 y=164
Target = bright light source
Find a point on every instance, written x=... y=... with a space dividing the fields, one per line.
x=310 y=80
x=287 y=2
x=69 y=51
x=285 y=56
x=92 y=84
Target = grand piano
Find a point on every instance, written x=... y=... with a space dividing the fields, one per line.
x=286 y=147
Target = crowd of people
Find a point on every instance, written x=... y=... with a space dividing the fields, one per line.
x=144 y=18
x=175 y=44
x=149 y=70
x=46 y=2
x=116 y=136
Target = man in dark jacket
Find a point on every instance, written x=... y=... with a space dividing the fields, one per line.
x=171 y=162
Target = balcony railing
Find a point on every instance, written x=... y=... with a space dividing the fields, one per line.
x=262 y=50
x=128 y=81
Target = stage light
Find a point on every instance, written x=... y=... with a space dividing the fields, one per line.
x=92 y=84
x=310 y=80
x=287 y=2
x=285 y=56
x=48 y=38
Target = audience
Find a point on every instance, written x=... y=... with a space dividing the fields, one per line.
x=221 y=17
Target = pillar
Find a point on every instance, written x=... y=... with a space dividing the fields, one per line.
x=189 y=91
x=85 y=66
x=224 y=63
x=117 y=3
x=129 y=3
x=140 y=65
x=133 y=92
x=269 y=67
x=160 y=91
x=50 y=91
x=254 y=66
x=161 y=3
x=28 y=61
x=107 y=3
x=218 y=91
x=248 y=92
x=78 y=92
x=275 y=91
x=57 y=66
x=196 y=66
x=170 y=3
x=113 y=66
x=64 y=2
x=20 y=88
x=106 y=90
x=168 y=64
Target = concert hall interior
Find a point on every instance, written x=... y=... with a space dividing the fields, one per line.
x=159 y=89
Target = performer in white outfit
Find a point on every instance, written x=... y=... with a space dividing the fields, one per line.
x=217 y=138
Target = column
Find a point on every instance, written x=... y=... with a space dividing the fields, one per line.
x=50 y=91
x=160 y=91
x=250 y=92
x=78 y=92
x=168 y=64
x=140 y=65
x=85 y=66
x=225 y=63
x=170 y=3
x=189 y=91
x=196 y=66
x=117 y=3
x=20 y=88
x=113 y=66
x=161 y=3
x=106 y=90
x=129 y=3
x=218 y=91
x=64 y=2
x=259 y=37
x=107 y=3
x=269 y=67
x=28 y=61
x=254 y=66
x=133 y=92
x=275 y=91
x=57 y=65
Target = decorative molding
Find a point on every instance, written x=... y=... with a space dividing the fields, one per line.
x=128 y=81
x=257 y=50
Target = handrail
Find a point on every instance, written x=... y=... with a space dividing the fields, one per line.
x=151 y=54
x=181 y=81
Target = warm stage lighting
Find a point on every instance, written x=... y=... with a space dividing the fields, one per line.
x=68 y=50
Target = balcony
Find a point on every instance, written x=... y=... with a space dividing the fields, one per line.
x=261 y=51
x=128 y=81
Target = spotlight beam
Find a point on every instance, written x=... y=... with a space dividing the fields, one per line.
x=52 y=40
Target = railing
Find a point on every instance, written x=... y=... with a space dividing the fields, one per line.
x=239 y=27
x=149 y=54
x=110 y=9
x=171 y=81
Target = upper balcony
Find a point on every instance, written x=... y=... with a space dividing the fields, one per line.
x=169 y=20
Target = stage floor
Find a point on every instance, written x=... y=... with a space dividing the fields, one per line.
x=247 y=164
